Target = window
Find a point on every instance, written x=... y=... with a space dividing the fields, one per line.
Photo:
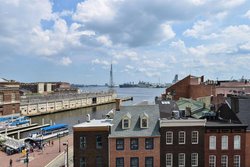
x=169 y=160
x=134 y=144
x=237 y=161
x=181 y=159
x=134 y=162
x=13 y=97
x=194 y=159
x=149 y=143
x=82 y=142
x=212 y=142
x=212 y=161
x=169 y=137
x=83 y=162
x=98 y=141
x=119 y=144
x=237 y=142
x=126 y=121
x=149 y=161
x=224 y=161
x=195 y=137
x=120 y=162
x=181 y=137
x=224 y=142
x=144 y=123
x=144 y=120
x=99 y=161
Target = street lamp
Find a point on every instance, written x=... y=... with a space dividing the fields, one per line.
x=67 y=151
x=59 y=136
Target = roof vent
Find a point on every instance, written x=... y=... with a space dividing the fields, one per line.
x=88 y=118
x=176 y=114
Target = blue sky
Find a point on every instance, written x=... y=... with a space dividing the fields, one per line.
x=75 y=41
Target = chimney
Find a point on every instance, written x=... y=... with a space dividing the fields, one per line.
x=188 y=111
x=202 y=78
x=117 y=104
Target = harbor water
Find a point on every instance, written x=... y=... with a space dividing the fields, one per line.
x=76 y=116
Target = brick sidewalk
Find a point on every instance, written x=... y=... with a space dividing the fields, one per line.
x=37 y=158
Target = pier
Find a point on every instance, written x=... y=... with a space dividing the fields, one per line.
x=39 y=105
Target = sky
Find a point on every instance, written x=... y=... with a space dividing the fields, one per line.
x=76 y=41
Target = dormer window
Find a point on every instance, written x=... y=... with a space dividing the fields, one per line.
x=144 y=120
x=126 y=121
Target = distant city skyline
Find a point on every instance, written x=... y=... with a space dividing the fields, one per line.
x=76 y=41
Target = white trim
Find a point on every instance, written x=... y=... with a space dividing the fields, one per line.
x=212 y=143
x=171 y=156
x=237 y=146
x=184 y=159
x=184 y=140
x=170 y=132
x=197 y=132
x=196 y=159
x=225 y=146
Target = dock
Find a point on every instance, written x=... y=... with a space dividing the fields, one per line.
x=18 y=128
x=28 y=129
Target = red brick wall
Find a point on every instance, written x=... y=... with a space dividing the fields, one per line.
x=10 y=107
x=196 y=91
x=230 y=152
x=181 y=88
x=247 y=149
x=141 y=153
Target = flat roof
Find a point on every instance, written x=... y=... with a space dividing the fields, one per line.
x=95 y=123
x=182 y=122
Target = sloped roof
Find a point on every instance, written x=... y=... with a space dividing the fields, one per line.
x=135 y=131
x=244 y=111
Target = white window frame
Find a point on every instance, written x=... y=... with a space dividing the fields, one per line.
x=224 y=163
x=181 y=159
x=212 y=161
x=123 y=120
x=224 y=142
x=146 y=122
x=180 y=137
x=212 y=142
x=236 y=163
x=169 y=156
x=237 y=142
x=195 y=136
x=170 y=133
x=195 y=159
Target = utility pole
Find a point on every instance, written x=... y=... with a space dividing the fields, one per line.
x=111 y=82
x=59 y=136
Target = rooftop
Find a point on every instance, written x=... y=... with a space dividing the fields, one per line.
x=187 y=122
x=152 y=111
x=95 y=123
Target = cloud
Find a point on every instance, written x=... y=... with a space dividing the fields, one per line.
x=65 y=61
x=101 y=62
x=198 y=29
x=247 y=15
x=104 y=40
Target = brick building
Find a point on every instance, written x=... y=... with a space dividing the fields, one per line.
x=195 y=87
x=135 y=139
x=9 y=97
x=241 y=106
x=91 y=143
x=182 y=142
x=225 y=144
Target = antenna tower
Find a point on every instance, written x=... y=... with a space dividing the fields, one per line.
x=111 y=82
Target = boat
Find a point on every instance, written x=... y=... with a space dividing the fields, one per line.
x=53 y=131
x=13 y=122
